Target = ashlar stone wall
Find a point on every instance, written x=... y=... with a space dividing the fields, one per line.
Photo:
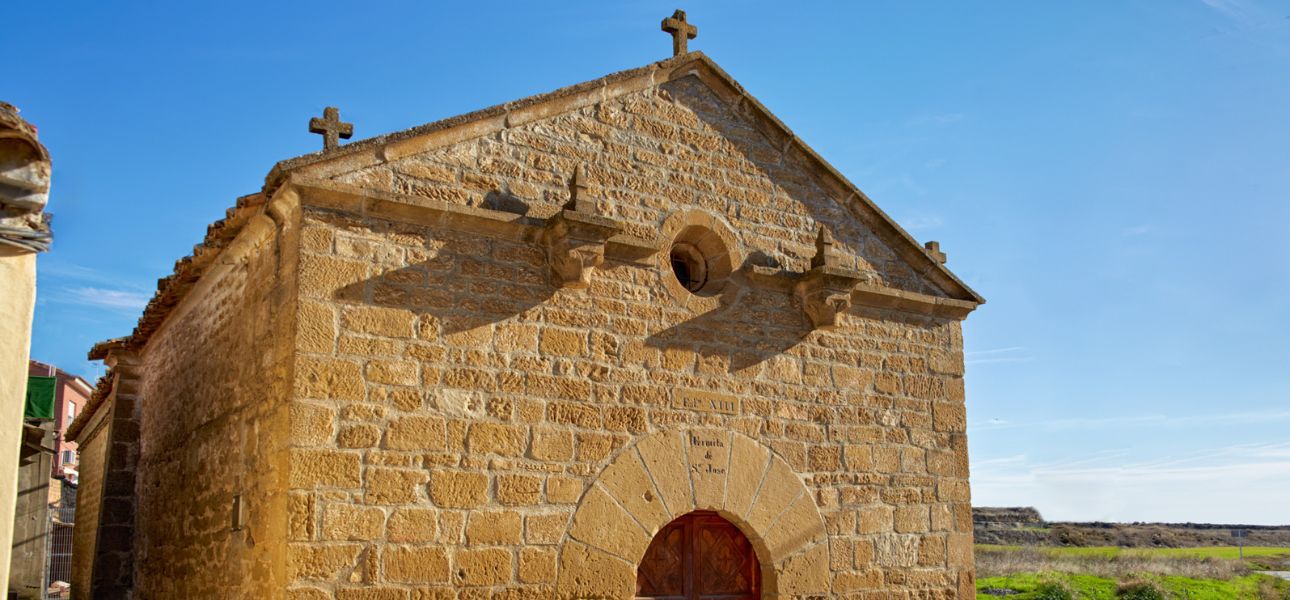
x=460 y=426
x=214 y=381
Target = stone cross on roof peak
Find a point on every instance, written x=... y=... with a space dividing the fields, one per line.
x=331 y=128
x=681 y=30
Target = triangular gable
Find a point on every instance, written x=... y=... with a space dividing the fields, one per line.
x=357 y=163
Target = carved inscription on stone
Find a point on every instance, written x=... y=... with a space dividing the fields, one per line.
x=707 y=454
x=706 y=402
x=709 y=458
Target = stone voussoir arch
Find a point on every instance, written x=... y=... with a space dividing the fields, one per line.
x=671 y=473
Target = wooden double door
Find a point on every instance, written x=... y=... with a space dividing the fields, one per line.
x=699 y=556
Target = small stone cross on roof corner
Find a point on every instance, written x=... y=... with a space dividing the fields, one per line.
x=934 y=249
x=681 y=30
x=331 y=128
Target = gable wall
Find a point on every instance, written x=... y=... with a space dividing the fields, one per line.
x=646 y=153
x=453 y=410
x=213 y=381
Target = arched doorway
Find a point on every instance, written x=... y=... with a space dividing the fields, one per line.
x=699 y=556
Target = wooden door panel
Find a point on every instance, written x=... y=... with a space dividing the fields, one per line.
x=723 y=560
x=699 y=556
x=661 y=573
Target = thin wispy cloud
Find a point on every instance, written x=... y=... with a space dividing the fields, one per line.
x=1137 y=230
x=1237 y=10
x=922 y=222
x=1012 y=354
x=123 y=300
x=1140 y=421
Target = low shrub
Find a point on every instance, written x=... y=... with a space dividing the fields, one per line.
x=1139 y=590
x=1052 y=590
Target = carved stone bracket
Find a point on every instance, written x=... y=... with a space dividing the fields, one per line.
x=575 y=238
x=825 y=290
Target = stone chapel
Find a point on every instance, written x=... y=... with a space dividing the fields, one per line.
x=628 y=339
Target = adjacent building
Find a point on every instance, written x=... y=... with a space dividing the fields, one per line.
x=71 y=393
x=24 y=232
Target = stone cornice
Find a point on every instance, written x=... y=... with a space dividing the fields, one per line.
x=494 y=223
x=426 y=211
x=870 y=295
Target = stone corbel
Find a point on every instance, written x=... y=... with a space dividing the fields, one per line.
x=825 y=290
x=575 y=237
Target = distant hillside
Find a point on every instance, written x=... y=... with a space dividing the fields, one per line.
x=1025 y=526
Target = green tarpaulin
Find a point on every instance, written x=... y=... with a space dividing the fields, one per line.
x=40 y=398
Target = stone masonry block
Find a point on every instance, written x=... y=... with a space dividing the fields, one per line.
x=551 y=445
x=488 y=566
x=629 y=483
x=664 y=458
x=496 y=438
x=324 y=276
x=374 y=320
x=324 y=468
x=312 y=424
x=416 y=433
x=413 y=525
x=537 y=565
x=392 y=372
x=517 y=490
x=545 y=528
x=749 y=459
x=799 y=526
x=328 y=378
x=589 y=573
x=778 y=491
x=455 y=489
x=320 y=561
x=393 y=486
x=315 y=327
x=563 y=490
x=494 y=528
x=602 y=523
x=415 y=564
x=563 y=342
x=356 y=523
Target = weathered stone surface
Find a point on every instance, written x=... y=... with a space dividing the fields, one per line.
x=413 y=409
x=587 y=572
x=458 y=490
x=416 y=433
x=415 y=564
x=325 y=468
x=494 y=528
x=626 y=540
x=357 y=523
x=488 y=566
x=408 y=525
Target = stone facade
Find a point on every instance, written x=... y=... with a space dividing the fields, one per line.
x=429 y=365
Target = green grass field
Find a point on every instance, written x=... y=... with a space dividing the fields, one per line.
x=1210 y=573
x=1224 y=552
x=1089 y=587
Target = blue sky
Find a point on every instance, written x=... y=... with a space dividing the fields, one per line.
x=1112 y=175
